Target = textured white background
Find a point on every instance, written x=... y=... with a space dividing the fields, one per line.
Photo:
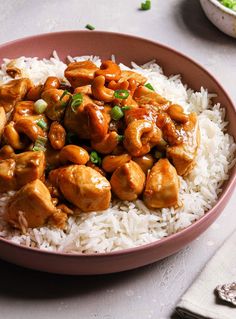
x=153 y=291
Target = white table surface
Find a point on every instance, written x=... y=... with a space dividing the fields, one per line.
x=152 y=291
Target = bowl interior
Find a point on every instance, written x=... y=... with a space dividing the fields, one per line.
x=126 y=49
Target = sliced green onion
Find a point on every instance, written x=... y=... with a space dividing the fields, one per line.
x=121 y=94
x=126 y=108
x=95 y=158
x=41 y=123
x=116 y=113
x=64 y=94
x=158 y=154
x=146 y=5
x=76 y=100
x=89 y=27
x=40 y=106
x=39 y=144
x=149 y=86
x=120 y=138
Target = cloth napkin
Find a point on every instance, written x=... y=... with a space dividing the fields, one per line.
x=200 y=301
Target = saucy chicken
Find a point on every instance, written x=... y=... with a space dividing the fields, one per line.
x=74 y=146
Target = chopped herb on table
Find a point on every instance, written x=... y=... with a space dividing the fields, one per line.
x=90 y=27
x=146 y=5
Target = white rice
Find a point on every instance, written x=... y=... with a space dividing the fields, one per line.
x=129 y=224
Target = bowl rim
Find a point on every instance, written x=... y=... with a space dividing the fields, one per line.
x=223 y=8
x=231 y=182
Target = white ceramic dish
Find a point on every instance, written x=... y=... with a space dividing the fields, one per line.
x=222 y=17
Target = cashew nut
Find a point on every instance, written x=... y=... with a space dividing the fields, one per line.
x=110 y=70
x=170 y=133
x=118 y=85
x=176 y=113
x=34 y=93
x=74 y=154
x=108 y=144
x=52 y=82
x=111 y=162
x=29 y=128
x=97 y=122
x=12 y=137
x=56 y=106
x=140 y=137
x=99 y=90
x=57 y=135
x=145 y=162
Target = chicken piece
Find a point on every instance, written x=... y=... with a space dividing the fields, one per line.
x=3 y=121
x=21 y=169
x=25 y=109
x=143 y=95
x=127 y=181
x=12 y=70
x=84 y=187
x=13 y=92
x=29 y=166
x=30 y=207
x=127 y=75
x=78 y=122
x=80 y=73
x=6 y=152
x=56 y=103
x=140 y=113
x=7 y=180
x=162 y=186
x=183 y=155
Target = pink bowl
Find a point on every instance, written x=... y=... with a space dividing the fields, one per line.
x=126 y=48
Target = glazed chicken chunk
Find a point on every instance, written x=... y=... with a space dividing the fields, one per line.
x=31 y=206
x=21 y=169
x=127 y=181
x=84 y=187
x=12 y=92
x=183 y=155
x=162 y=186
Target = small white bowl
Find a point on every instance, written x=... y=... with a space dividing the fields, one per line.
x=222 y=17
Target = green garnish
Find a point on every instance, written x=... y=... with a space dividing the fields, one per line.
x=149 y=86
x=146 y=5
x=116 y=113
x=120 y=138
x=41 y=123
x=64 y=94
x=89 y=27
x=121 y=94
x=40 y=106
x=126 y=108
x=231 y=4
x=76 y=100
x=95 y=158
x=39 y=144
